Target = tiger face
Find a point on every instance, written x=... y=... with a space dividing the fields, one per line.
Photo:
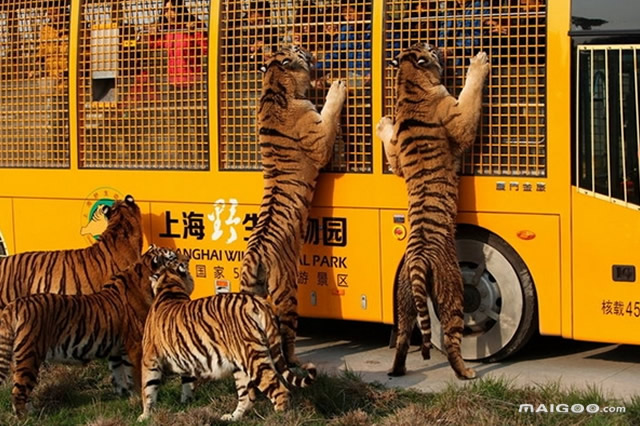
x=290 y=58
x=173 y=272
x=158 y=256
x=423 y=57
x=291 y=67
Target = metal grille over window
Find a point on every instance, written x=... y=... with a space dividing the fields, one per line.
x=338 y=34
x=142 y=95
x=511 y=140
x=34 y=60
x=608 y=117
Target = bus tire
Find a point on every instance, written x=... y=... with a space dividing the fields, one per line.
x=500 y=300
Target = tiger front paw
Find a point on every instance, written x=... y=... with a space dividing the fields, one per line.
x=480 y=64
x=337 y=92
x=384 y=129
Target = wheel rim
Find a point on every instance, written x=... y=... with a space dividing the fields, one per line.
x=493 y=301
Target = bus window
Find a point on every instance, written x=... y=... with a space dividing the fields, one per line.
x=142 y=95
x=512 y=139
x=607 y=147
x=338 y=34
x=34 y=82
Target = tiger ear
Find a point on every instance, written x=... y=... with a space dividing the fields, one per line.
x=106 y=210
x=394 y=63
x=155 y=262
x=263 y=69
x=182 y=270
x=155 y=278
x=129 y=199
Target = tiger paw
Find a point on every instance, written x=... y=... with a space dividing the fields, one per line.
x=142 y=417
x=426 y=352
x=480 y=64
x=337 y=92
x=397 y=371
x=467 y=374
x=227 y=418
x=384 y=129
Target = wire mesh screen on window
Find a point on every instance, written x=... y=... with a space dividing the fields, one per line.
x=34 y=83
x=608 y=122
x=511 y=139
x=142 y=95
x=338 y=34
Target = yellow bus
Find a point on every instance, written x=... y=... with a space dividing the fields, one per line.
x=103 y=98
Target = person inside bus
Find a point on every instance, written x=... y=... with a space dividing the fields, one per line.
x=184 y=39
x=54 y=44
x=258 y=39
x=461 y=32
x=350 y=53
x=309 y=31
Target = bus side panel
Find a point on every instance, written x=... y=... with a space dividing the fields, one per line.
x=394 y=231
x=7 y=245
x=541 y=255
x=339 y=267
x=48 y=224
x=214 y=236
x=606 y=268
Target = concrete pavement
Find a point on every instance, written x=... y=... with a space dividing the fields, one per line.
x=363 y=348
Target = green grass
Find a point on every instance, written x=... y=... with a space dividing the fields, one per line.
x=82 y=395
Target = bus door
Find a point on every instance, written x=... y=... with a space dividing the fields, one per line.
x=606 y=181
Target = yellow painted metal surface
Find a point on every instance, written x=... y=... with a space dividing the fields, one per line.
x=392 y=250
x=337 y=278
x=560 y=142
x=604 y=309
x=6 y=227
x=56 y=224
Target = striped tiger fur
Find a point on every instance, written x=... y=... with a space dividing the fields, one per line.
x=424 y=146
x=77 y=271
x=295 y=142
x=79 y=328
x=233 y=333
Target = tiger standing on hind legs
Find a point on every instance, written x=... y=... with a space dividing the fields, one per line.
x=295 y=142
x=431 y=131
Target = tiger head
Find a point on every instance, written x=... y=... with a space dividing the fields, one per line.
x=422 y=60
x=290 y=67
x=123 y=213
x=157 y=257
x=174 y=273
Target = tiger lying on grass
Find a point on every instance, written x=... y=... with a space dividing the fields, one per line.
x=79 y=328
x=212 y=337
x=431 y=131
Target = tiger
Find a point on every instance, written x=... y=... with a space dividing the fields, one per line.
x=213 y=337
x=77 y=271
x=79 y=328
x=295 y=142
x=424 y=145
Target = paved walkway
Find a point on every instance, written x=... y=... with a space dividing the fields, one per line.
x=363 y=348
